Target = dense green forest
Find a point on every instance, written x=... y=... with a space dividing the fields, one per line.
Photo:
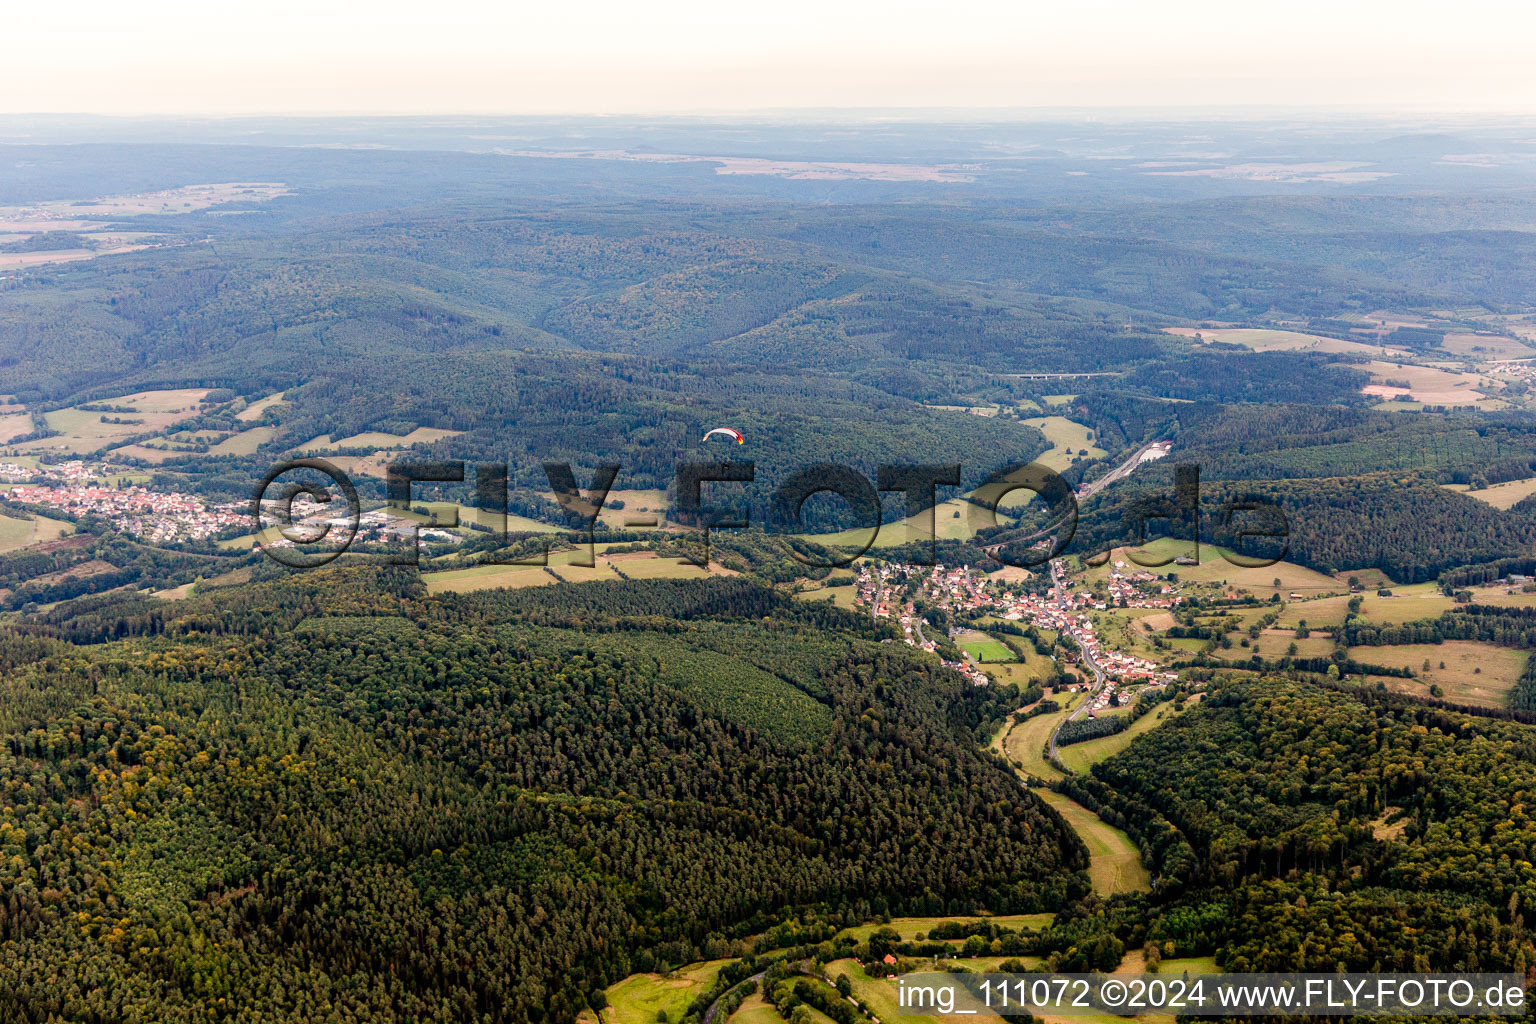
x=1335 y=831
x=329 y=795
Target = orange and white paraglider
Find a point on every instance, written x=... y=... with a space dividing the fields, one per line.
x=727 y=432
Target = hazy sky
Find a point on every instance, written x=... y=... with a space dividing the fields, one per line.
x=605 y=56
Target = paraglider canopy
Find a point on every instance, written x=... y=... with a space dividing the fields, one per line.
x=727 y=432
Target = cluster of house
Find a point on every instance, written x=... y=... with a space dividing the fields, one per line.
x=1062 y=611
x=1521 y=370
x=76 y=471
x=153 y=516
x=1135 y=590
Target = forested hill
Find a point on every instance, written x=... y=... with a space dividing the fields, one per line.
x=1335 y=830
x=332 y=798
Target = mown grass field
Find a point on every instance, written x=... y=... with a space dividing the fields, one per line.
x=1080 y=757
x=1474 y=673
x=1034 y=668
x=952 y=520
x=1024 y=744
x=1485 y=346
x=256 y=409
x=638 y=565
x=13 y=423
x=1115 y=864
x=982 y=648
x=639 y=998
x=377 y=439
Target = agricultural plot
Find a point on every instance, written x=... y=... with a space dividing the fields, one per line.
x=258 y=408
x=21 y=533
x=1214 y=569
x=1501 y=496
x=1474 y=673
x=1501 y=597
x=1431 y=385
x=244 y=443
x=1260 y=340
x=377 y=439
x=14 y=424
x=1024 y=744
x=1115 y=862
x=1080 y=757
x=1486 y=346
x=638 y=504
x=1407 y=604
x=1034 y=668
x=81 y=431
x=1068 y=438
x=954 y=519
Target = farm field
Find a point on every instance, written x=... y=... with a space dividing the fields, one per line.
x=1431 y=385
x=1080 y=757
x=256 y=409
x=1474 y=673
x=636 y=565
x=81 y=431
x=1025 y=743
x=469 y=514
x=756 y=1010
x=1215 y=569
x=1407 y=604
x=648 y=565
x=377 y=439
x=1485 y=346
x=14 y=424
x=244 y=443
x=21 y=533
x=1276 y=643
x=1503 y=598
x=952 y=520
x=1261 y=340
x=1067 y=438
x=641 y=998
x=879 y=995
x=1501 y=496
x=638 y=504
x=1034 y=668
x=1116 y=863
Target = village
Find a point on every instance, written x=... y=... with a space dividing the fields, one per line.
x=894 y=591
x=78 y=489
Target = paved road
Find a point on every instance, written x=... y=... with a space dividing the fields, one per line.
x=714 y=1007
x=1086 y=491
x=1120 y=472
x=1099 y=675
